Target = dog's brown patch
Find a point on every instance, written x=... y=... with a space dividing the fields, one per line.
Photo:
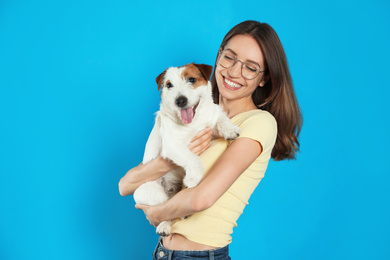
x=159 y=79
x=199 y=71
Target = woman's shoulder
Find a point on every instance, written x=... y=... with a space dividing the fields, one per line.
x=259 y=125
x=256 y=117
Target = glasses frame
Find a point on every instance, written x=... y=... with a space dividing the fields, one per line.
x=242 y=64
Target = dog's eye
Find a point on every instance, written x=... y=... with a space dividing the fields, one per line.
x=192 y=80
x=169 y=85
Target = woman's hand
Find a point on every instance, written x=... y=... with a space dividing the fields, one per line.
x=201 y=141
x=148 y=210
x=142 y=173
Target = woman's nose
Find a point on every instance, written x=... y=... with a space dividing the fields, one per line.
x=235 y=70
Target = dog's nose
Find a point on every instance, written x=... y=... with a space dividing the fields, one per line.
x=181 y=101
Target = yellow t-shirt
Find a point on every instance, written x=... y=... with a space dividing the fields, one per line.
x=214 y=225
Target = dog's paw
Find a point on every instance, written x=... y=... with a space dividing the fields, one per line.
x=164 y=228
x=192 y=180
x=232 y=133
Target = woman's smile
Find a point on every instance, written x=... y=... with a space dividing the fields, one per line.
x=231 y=85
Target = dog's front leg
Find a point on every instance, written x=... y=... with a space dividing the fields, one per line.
x=191 y=163
x=194 y=171
x=225 y=128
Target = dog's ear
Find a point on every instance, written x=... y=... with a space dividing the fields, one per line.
x=159 y=80
x=205 y=69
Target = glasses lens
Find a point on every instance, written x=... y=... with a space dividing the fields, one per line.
x=250 y=70
x=227 y=59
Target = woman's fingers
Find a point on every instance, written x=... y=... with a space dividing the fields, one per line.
x=139 y=206
x=146 y=209
x=201 y=133
x=201 y=141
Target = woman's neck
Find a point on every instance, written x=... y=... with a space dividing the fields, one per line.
x=235 y=107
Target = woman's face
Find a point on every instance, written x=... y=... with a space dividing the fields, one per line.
x=231 y=84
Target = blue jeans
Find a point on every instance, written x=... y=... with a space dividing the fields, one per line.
x=161 y=253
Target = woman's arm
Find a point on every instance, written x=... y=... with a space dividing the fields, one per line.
x=142 y=173
x=230 y=165
x=157 y=167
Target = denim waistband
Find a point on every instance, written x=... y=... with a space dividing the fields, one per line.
x=161 y=253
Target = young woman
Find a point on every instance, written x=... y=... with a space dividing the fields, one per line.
x=252 y=84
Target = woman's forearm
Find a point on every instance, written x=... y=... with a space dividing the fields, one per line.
x=184 y=203
x=142 y=173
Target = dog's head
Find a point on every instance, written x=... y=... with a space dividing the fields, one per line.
x=183 y=88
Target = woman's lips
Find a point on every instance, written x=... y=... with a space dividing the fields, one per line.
x=231 y=85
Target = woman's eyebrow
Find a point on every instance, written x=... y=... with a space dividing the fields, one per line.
x=231 y=51
x=228 y=49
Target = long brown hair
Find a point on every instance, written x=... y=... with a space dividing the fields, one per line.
x=277 y=96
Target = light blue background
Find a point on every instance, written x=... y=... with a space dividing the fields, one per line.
x=77 y=97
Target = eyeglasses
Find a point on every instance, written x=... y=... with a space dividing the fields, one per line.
x=249 y=70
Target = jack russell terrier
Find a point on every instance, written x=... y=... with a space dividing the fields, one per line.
x=186 y=108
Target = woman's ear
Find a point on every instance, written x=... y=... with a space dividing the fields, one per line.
x=263 y=81
x=219 y=53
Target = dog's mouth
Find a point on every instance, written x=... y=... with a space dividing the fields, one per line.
x=187 y=114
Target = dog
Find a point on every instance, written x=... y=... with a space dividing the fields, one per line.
x=186 y=108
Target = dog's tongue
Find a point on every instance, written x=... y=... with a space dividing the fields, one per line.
x=187 y=115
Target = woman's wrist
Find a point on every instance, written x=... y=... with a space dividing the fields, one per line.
x=155 y=214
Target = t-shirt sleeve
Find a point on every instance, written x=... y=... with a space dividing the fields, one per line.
x=261 y=127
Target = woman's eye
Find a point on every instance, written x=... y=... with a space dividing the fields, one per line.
x=251 y=68
x=169 y=85
x=192 y=80
x=228 y=57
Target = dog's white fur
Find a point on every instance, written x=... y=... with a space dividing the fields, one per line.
x=170 y=136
